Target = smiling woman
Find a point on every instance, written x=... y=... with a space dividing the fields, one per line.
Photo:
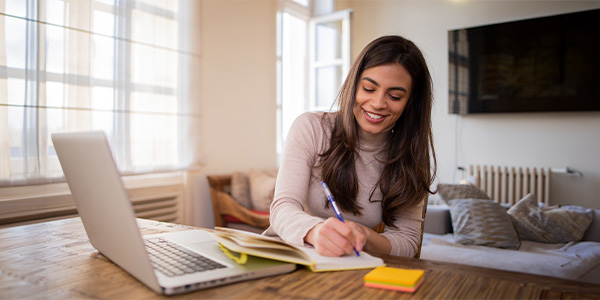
x=375 y=154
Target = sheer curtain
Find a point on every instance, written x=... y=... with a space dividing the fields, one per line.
x=120 y=66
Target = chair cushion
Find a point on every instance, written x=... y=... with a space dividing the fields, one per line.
x=240 y=189
x=262 y=188
x=232 y=219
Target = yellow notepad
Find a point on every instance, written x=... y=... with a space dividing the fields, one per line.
x=244 y=243
x=394 y=278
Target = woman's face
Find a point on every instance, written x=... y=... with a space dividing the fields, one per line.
x=381 y=95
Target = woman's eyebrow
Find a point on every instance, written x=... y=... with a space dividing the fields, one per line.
x=377 y=84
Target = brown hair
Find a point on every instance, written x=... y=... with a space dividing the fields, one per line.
x=410 y=163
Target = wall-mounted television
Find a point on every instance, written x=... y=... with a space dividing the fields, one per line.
x=534 y=65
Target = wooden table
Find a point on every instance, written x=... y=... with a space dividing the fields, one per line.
x=55 y=260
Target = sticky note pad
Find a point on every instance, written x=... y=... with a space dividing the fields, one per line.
x=407 y=280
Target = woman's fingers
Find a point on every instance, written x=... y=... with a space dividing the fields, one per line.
x=361 y=234
x=335 y=238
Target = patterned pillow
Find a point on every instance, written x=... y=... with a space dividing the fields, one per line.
x=449 y=192
x=240 y=189
x=549 y=224
x=482 y=222
x=262 y=189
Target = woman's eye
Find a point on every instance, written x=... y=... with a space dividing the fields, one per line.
x=395 y=97
x=368 y=90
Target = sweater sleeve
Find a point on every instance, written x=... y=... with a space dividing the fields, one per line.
x=288 y=216
x=406 y=237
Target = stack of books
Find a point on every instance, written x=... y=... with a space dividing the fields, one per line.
x=404 y=280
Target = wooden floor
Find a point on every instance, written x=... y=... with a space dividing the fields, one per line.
x=54 y=260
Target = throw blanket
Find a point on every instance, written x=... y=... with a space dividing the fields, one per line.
x=566 y=260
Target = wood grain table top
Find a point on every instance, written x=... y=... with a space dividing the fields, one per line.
x=54 y=260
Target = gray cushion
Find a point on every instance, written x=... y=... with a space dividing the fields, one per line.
x=482 y=222
x=449 y=192
x=437 y=220
x=549 y=224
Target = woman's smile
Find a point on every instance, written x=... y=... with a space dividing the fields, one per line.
x=373 y=117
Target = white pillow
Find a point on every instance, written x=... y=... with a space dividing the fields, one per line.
x=262 y=188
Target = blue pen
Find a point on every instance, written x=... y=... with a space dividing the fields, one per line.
x=334 y=205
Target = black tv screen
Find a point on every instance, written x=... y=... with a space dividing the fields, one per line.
x=535 y=65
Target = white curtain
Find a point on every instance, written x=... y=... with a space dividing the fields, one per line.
x=121 y=66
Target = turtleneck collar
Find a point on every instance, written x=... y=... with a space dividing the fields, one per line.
x=372 y=142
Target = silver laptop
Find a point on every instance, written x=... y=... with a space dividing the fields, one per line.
x=109 y=221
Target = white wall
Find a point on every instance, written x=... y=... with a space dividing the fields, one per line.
x=519 y=139
x=238 y=93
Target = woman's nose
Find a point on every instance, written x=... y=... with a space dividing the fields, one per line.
x=378 y=101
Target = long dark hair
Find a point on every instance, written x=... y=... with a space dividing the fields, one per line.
x=410 y=163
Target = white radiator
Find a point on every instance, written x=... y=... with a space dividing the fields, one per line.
x=161 y=200
x=160 y=203
x=507 y=185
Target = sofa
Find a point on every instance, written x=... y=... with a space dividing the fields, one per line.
x=470 y=228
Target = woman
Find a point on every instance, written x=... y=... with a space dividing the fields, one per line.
x=375 y=154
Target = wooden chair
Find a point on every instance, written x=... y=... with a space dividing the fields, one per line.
x=228 y=212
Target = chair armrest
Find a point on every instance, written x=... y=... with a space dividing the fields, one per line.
x=593 y=232
x=218 y=183
x=437 y=219
x=228 y=206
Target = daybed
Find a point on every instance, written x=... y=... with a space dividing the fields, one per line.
x=560 y=242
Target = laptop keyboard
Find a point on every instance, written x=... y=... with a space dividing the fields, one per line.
x=171 y=260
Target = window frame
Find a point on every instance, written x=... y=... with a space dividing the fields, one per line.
x=311 y=65
x=343 y=61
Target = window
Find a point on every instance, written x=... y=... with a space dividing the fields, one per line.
x=313 y=58
x=122 y=67
x=329 y=58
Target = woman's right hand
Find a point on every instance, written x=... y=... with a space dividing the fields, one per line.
x=335 y=238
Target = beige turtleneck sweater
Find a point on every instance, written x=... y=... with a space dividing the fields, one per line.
x=299 y=201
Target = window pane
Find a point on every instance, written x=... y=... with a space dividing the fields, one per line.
x=302 y=2
x=55 y=93
x=16 y=91
x=103 y=23
x=15 y=33
x=103 y=98
x=103 y=57
x=328 y=82
x=153 y=140
x=69 y=13
x=328 y=40
x=153 y=66
x=293 y=70
x=55 y=12
x=55 y=49
x=153 y=29
x=16 y=8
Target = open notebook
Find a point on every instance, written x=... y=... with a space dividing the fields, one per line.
x=246 y=243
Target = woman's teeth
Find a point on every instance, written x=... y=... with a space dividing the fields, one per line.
x=374 y=116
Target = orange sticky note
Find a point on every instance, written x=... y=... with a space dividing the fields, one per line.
x=406 y=280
